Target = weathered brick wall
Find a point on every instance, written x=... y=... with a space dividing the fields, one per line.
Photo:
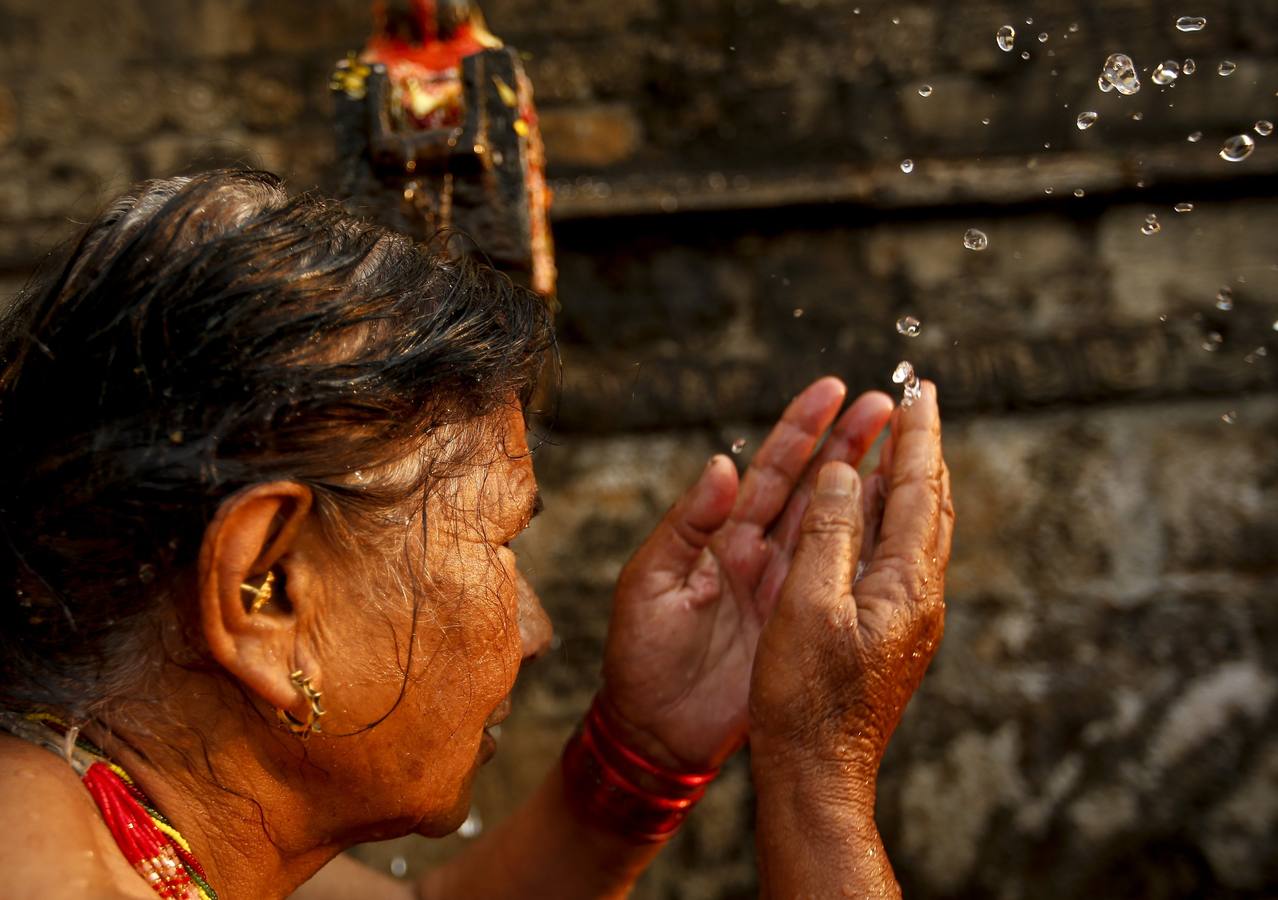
x=732 y=220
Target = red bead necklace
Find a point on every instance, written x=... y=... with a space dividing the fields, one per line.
x=155 y=849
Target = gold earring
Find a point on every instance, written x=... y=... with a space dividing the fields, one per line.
x=261 y=595
x=312 y=724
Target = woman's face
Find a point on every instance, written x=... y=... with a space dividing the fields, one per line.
x=443 y=617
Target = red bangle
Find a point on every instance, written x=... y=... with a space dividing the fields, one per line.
x=614 y=787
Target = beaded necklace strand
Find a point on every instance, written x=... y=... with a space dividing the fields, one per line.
x=155 y=849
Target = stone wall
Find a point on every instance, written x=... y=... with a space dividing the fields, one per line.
x=732 y=219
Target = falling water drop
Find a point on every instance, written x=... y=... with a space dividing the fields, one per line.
x=1087 y=119
x=1120 y=72
x=1191 y=23
x=907 y=166
x=798 y=312
x=1212 y=341
x=1264 y=128
x=904 y=375
x=1138 y=116
x=1079 y=192
x=1006 y=38
x=1104 y=85
x=925 y=90
x=1165 y=72
x=909 y=326
x=1188 y=67
x=1183 y=207
x=738 y=445
x=1151 y=226
x=1226 y=67
x=975 y=239
x=1230 y=417
x=1194 y=137
x=1237 y=148
x=1225 y=299
x=1042 y=37
x=1025 y=54
x=473 y=827
x=399 y=866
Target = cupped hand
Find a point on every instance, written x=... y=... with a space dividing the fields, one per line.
x=691 y=603
x=840 y=657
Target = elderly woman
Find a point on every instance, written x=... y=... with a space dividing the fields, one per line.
x=262 y=465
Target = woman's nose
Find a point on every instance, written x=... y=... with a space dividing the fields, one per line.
x=535 y=630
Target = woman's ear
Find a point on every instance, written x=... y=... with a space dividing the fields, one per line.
x=253 y=537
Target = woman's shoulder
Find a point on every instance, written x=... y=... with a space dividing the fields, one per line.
x=55 y=844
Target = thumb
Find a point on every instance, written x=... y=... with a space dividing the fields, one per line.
x=829 y=542
x=676 y=543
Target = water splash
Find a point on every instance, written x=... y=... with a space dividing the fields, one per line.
x=1237 y=148
x=1086 y=120
x=904 y=375
x=1006 y=38
x=1165 y=72
x=1191 y=23
x=908 y=326
x=1120 y=73
x=975 y=239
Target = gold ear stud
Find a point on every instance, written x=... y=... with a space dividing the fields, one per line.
x=261 y=595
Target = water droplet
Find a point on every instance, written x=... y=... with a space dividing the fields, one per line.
x=1165 y=72
x=896 y=20
x=738 y=445
x=1191 y=23
x=1104 y=85
x=975 y=239
x=1230 y=417
x=473 y=827
x=904 y=375
x=1042 y=37
x=1151 y=226
x=907 y=166
x=1183 y=207
x=1086 y=120
x=1120 y=72
x=1237 y=148
x=1195 y=137
x=1006 y=38
x=798 y=312
x=1188 y=67
x=146 y=573
x=985 y=121
x=1212 y=341
x=399 y=867
x=1029 y=21
x=1226 y=68
x=1264 y=128
x=908 y=326
x=1079 y=192
x=1025 y=54
x=1138 y=116
x=1225 y=299
x=925 y=90
x=1047 y=190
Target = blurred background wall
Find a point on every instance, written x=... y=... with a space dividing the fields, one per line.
x=732 y=219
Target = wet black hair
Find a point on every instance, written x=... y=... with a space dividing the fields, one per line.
x=203 y=334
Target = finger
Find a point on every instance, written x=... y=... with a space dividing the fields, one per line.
x=849 y=441
x=829 y=543
x=676 y=543
x=945 y=534
x=872 y=502
x=913 y=511
x=781 y=459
